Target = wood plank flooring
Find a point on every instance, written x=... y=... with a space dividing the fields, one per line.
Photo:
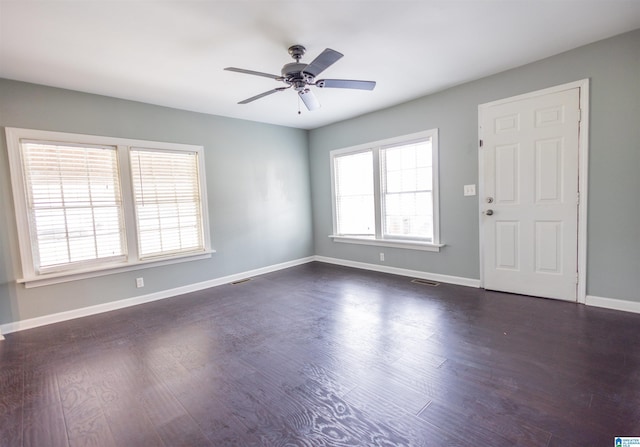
x=323 y=355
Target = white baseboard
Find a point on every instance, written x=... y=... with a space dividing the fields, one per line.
x=127 y=302
x=402 y=272
x=612 y=303
x=609 y=303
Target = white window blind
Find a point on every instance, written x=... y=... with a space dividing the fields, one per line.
x=74 y=204
x=354 y=194
x=407 y=190
x=167 y=202
x=89 y=205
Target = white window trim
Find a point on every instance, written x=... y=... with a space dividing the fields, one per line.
x=394 y=243
x=379 y=240
x=30 y=277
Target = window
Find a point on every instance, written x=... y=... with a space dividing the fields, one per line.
x=407 y=190
x=167 y=202
x=74 y=203
x=87 y=204
x=385 y=193
x=354 y=194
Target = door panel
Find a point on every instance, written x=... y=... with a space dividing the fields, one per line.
x=548 y=249
x=530 y=184
x=549 y=171
x=507 y=174
x=507 y=243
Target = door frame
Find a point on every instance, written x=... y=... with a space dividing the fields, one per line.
x=583 y=171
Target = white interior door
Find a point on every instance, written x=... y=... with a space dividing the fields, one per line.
x=529 y=195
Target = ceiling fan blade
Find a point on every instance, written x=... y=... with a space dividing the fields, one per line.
x=309 y=99
x=324 y=60
x=262 y=95
x=255 y=73
x=346 y=83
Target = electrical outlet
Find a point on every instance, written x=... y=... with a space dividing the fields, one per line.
x=139 y=282
x=382 y=256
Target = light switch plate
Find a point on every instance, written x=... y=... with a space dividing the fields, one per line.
x=469 y=190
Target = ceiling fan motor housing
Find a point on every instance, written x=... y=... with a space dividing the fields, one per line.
x=294 y=69
x=294 y=75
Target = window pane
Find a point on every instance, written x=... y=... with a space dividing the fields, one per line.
x=394 y=181
x=407 y=190
x=393 y=160
x=355 y=214
x=424 y=179
x=409 y=214
x=69 y=190
x=409 y=179
x=423 y=155
x=167 y=200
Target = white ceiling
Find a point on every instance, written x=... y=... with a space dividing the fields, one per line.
x=173 y=52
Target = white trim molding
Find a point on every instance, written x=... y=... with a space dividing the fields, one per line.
x=47 y=280
x=408 y=244
x=134 y=301
x=458 y=280
x=613 y=303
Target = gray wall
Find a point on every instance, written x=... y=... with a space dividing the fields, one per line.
x=266 y=182
x=613 y=66
x=257 y=186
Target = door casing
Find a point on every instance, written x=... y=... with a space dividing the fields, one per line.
x=583 y=164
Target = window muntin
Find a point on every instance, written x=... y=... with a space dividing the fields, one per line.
x=75 y=208
x=403 y=190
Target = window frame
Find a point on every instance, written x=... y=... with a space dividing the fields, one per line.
x=30 y=276
x=380 y=239
x=137 y=206
x=339 y=153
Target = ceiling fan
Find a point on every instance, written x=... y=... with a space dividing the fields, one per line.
x=300 y=77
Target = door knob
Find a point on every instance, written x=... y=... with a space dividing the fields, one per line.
x=489 y=212
x=489 y=199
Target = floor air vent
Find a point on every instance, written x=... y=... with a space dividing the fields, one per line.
x=240 y=281
x=425 y=282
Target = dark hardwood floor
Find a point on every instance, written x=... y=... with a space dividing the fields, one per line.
x=322 y=355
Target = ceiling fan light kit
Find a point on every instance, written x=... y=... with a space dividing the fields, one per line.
x=301 y=76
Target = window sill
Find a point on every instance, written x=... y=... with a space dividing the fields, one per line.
x=60 y=277
x=410 y=245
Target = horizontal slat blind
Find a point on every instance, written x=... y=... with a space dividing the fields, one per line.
x=74 y=203
x=355 y=213
x=167 y=202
